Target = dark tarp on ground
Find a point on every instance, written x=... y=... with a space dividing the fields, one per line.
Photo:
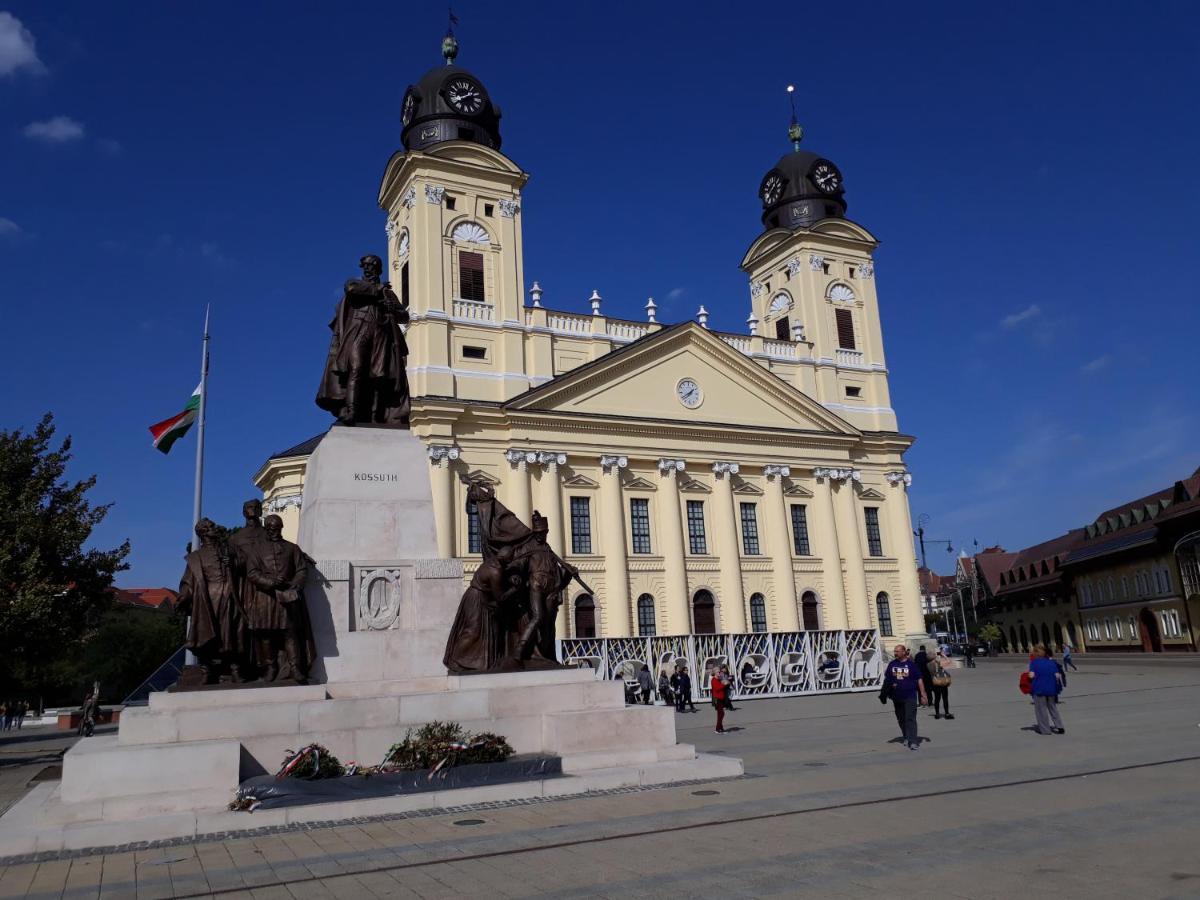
x=275 y=793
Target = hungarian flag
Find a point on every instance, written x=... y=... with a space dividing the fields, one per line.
x=168 y=431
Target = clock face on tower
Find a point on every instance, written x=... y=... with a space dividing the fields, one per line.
x=825 y=176
x=772 y=189
x=464 y=96
x=689 y=393
x=410 y=107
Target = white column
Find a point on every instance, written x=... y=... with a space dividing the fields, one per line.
x=676 y=606
x=825 y=531
x=900 y=520
x=779 y=535
x=733 y=604
x=441 y=457
x=615 y=604
x=516 y=485
x=858 y=614
x=551 y=506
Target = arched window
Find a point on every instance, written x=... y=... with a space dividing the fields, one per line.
x=645 y=611
x=1024 y=639
x=1014 y=644
x=810 y=612
x=1058 y=635
x=585 y=616
x=883 y=608
x=758 y=613
x=1071 y=633
x=704 y=615
x=1046 y=635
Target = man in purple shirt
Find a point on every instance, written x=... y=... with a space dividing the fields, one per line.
x=902 y=682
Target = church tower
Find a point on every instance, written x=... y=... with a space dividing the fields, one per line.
x=812 y=283
x=453 y=204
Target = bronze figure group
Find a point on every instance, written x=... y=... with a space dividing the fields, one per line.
x=505 y=621
x=245 y=600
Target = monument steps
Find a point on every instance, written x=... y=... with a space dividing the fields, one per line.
x=41 y=822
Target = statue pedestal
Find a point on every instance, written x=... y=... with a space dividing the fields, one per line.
x=381 y=603
x=380 y=600
x=367 y=496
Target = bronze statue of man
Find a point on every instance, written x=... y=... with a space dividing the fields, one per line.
x=364 y=380
x=278 y=618
x=547 y=575
x=216 y=630
x=250 y=533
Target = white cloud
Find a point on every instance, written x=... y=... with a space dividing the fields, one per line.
x=109 y=146
x=676 y=293
x=58 y=130
x=17 y=50
x=8 y=228
x=1095 y=365
x=1015 y=319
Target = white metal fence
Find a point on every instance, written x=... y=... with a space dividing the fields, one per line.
x=763 y=664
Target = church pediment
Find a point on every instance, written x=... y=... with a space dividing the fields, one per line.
x=747 y=490
x=692 y=486
x=480 y=475
x=638 y=483
x=796 y=490
x=577 y=482
x=871 y=494
x=682 y=375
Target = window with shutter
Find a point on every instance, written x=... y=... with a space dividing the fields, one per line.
x=470 y=276
x=845 y=329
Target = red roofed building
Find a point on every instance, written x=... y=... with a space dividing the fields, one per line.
x=146 y=598
x=1127 y=581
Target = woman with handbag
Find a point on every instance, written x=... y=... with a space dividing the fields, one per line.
x=939 y=675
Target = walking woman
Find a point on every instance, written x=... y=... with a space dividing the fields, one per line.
x=1046 y=686
x=719 y=689
x=939 y=680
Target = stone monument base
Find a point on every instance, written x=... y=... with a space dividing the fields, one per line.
x=174 y=766
x=381 y=604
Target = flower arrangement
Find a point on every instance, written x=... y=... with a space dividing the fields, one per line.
x=313 y=761
x=440 y=745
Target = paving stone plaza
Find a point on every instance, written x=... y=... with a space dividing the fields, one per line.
x=829 y=807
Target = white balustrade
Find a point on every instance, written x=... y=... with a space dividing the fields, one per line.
x=780 y=349
x=475 y=310
x=570 y=323
x=741 y=344
x=852 y=358
x=627 y=331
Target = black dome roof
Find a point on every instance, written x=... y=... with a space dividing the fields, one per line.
x=431 y=117
x=792 y=196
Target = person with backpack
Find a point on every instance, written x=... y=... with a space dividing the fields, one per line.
x=939 y=680
x=1046 y=684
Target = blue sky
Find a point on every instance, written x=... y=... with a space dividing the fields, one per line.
x=1030 y=169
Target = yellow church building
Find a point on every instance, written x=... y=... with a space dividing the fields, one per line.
x=702 y=482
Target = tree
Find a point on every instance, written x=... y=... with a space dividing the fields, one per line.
x=990 y=634
x=53 y=591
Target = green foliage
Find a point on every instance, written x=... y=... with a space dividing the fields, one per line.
x=53 y=591
x=990 y=632
x=318 y=762
x=432 y=743
x=127 y=647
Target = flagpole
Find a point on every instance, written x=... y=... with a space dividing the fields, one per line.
x=198 y=494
